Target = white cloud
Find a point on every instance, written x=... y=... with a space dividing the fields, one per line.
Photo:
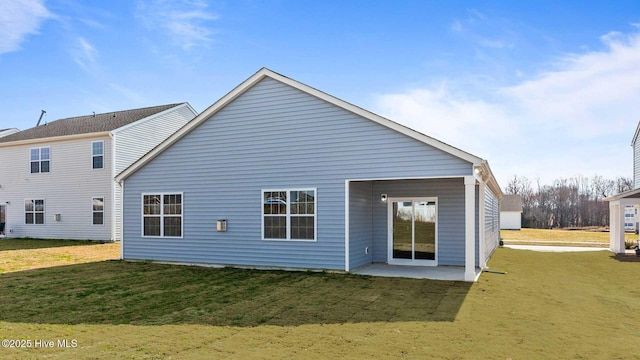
x=19 y=18
x=591 y=93
x=186 y=21
x=578 y=117
x=84 y=54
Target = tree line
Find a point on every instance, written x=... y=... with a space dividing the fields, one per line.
x=571 y=202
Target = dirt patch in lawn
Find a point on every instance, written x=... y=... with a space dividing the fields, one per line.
x=26 y=254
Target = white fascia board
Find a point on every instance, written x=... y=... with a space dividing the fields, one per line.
x=484 y=174
x=55 y=139
x=635 y=136
x=261 y=74
x=151 y=117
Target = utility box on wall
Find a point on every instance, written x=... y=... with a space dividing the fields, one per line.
x=222 y=225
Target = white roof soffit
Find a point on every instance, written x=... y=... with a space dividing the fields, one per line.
x=483 y=173
x=261 y=74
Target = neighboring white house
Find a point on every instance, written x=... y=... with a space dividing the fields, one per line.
x=511 y=212
x=619 y=203
x=7 y=132
x=630 y=217
x=57 y=179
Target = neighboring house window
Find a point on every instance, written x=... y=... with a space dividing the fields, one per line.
x=98 y=210
x=97 y=151
x=34 y=211
x=289 y=214
x=40 y=160
x=162 y=215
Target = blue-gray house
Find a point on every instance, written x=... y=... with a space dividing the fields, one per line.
x=277 y=174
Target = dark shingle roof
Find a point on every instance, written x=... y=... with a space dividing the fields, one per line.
x=511 y=203
x=86 y=124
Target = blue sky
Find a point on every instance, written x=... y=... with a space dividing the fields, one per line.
x=543 y=89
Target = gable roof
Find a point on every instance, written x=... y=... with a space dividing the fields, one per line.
x=263 y=73
x=511 y=203
x=86 y=124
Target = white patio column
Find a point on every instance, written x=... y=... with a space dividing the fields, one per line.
x=613 y=230
x=620 y=225
x=470 y=228
x=616 y=227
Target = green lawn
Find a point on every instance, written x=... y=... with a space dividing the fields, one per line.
x=547 y=306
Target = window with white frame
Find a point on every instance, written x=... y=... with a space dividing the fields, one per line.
x=162 y=215
x=40 y=160
x=34 y=211
x=289 y=214
x=97 y=154
x=98 y=210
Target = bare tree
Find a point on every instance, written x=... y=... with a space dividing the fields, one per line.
x=572 y=202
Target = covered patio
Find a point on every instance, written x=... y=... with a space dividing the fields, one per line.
x=617 y=204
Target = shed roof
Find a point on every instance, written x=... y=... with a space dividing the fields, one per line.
x=511 y=203
x=86 y=124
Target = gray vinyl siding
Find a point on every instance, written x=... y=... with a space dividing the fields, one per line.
x=361 y=201
x=636 y=165
x=271 y=137
x=451 y=223
x=491 y=222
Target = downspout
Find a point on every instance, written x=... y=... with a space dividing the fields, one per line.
x=113 y=186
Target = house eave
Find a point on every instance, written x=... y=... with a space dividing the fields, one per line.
x=55 y=139
x=483 y=172
x=635 y=193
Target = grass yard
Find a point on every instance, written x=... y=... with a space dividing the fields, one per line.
x=547 y=306
x=560 y=237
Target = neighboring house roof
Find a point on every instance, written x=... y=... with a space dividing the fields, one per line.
x=482 y=167
x=7 y=132
x=511 y=203
x=86 y=124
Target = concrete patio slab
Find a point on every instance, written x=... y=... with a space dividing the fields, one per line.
x=453 y=273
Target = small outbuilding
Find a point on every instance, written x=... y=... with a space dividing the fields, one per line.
x=511 y=212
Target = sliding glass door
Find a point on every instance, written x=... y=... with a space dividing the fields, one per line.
x=413 y=231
